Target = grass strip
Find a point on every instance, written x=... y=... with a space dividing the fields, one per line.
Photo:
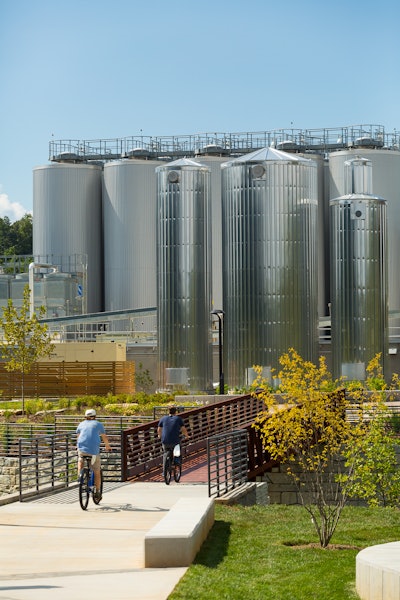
x=261 y=552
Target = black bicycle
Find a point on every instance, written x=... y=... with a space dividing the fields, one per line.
x=172 y=464
x=87 y=486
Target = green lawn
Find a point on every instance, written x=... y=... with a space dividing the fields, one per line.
x=263 y=552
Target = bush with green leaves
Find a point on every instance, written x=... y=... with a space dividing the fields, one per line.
x=328 y=457
x=393 y=423
x=374 y=465
x=34 y=406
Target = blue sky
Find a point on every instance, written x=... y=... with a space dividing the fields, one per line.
x=86 y=69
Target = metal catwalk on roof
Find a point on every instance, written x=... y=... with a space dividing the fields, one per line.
x=219 y=143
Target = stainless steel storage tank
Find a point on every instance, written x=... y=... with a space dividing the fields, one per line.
x=323 y=229
x=129 y=205
x=184 y=274
x=214 y=164
x=358 y=283
x=270 y=260
x=68 y=222
x=385 y=184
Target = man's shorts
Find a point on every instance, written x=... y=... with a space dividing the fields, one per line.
x=96 y=463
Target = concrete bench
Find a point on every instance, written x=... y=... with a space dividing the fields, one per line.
x=175 y=540
x=378 y=572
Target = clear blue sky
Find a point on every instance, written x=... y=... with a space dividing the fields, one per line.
x=85 y=69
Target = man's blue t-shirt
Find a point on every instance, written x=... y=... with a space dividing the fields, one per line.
x=171 y=427
x=89 y=436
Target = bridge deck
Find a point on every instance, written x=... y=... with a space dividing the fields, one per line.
x=194 y=470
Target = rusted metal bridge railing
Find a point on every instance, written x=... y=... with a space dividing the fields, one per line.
x=141 y=447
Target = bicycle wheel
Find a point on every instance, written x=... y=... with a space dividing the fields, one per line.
x=167 y=469
x=84 y=491
x=97 y=500
x=177 y=472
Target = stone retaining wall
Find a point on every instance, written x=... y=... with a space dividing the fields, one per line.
x=9 y=475
x=281 y=489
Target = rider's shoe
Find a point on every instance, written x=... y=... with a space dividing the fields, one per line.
x=98 y=496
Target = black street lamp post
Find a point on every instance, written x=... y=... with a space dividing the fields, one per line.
x=220 y=315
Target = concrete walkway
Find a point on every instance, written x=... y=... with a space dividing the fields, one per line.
x=51 y=549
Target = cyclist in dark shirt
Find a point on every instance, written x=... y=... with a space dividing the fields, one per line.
x=170 y=429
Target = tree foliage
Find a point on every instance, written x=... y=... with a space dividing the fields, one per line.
x=372 y=456
x=305 y=427
x=143 y=379
x=16 y=237
x=24 y=339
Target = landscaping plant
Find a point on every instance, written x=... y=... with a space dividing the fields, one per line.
x=322 y=450
x=24 y=340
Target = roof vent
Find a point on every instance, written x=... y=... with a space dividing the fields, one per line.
x=257 y=171
x=213 y=149
x=368 y=142
x=173 y=177
x=139 y=153
x=288 y=146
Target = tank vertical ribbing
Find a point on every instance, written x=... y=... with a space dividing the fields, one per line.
x=270 y=270
x=359 y=283
x=184 y=275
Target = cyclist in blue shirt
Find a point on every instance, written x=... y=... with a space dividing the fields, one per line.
x=90 y=433
x=169 y=430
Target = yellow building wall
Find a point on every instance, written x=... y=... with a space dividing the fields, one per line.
x=87 y=352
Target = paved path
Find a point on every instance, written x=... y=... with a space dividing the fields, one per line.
x=52 y=550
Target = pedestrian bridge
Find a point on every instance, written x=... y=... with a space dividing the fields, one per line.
x=223 y=448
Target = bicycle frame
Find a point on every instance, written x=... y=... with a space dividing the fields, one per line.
x=87 y=484
x=172 y=466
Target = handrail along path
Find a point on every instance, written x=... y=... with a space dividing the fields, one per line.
x=141 y=447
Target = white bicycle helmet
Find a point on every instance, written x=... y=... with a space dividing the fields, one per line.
x=90 y=412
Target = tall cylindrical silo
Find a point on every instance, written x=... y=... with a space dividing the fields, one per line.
x=358 y=283
x=385 y=184
x=129 y=209
x=270 y=261
x=184 y=274
x=214 y=164
x=67 y=224
x=323 y=230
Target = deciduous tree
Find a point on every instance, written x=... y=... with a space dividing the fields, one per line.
x=308 y=433
x=372 y=457
x=24 y=339
x=143 y=379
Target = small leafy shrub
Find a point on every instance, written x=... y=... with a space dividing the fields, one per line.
x=64 y=403
x=393 y=423
x=7 y=414
x=143 y=380
x=78 y=403
x=39 y=405
x=122 y=409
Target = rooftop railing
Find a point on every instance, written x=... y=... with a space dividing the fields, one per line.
x=219 y=143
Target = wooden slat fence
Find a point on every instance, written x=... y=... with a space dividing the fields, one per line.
x=49 y=380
